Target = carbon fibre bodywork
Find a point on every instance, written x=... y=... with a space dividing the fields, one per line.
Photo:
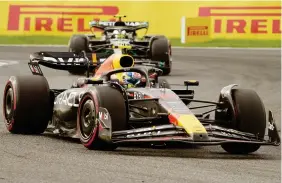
x=153 y=112
x=161 y=105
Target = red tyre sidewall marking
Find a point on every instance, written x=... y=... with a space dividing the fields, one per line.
x=95 y=130
x=9 y=85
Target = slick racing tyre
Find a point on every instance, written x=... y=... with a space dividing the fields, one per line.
x=27 y=104
x=249 y=117
x=160 y=50
x=77 y=44
x=88 y=123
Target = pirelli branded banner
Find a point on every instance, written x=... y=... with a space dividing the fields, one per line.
x=250 y=22
x=234 y=20
x=197 y=29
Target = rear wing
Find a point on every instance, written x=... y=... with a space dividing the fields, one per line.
x=68 y=61
x=64 y=61
x=133 y=24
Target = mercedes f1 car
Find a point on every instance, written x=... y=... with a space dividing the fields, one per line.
x=105 y=113
x=118 y=34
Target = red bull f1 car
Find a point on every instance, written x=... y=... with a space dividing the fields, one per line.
x=108 y=110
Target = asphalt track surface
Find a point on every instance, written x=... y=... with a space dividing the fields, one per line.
x=49 y=159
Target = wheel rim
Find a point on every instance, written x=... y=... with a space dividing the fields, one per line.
x=87 y=119
x=9 y=103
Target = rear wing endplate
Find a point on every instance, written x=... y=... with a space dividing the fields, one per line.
x=35 y=68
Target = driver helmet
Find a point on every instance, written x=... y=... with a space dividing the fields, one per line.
x=133 y=78
x=128 y=79
x=115 y=32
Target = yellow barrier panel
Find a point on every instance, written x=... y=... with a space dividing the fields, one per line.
x=250 y=22
x=234 y=20
x=197 y=29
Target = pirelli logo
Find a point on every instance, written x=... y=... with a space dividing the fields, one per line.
x=240 y=11
x=249 y=19
x=63 y=18
x=197 y=31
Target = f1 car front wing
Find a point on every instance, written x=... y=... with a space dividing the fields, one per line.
x=216 y=135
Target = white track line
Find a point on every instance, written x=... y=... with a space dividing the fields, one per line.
x=8 y=62
x=31 y=45
x=175 y=47
x=225 y=48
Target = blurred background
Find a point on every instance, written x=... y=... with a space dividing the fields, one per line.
x=186 y=23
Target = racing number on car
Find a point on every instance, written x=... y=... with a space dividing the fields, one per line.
x=138 y=95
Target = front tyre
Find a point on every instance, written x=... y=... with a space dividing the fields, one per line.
x=161 y=51
x=88 y=114
x=250 y=117
x=88 y=123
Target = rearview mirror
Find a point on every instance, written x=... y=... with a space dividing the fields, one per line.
x=191 y=83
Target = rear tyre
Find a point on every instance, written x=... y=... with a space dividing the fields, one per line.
x=106 y=97
x=27 y=104
x=250 y=117
x=77 y=44
x=161 y=51
x=166 y=71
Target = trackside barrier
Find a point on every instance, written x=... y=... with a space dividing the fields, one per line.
x=196 y=29
x=250 y=22
x=225 y=20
